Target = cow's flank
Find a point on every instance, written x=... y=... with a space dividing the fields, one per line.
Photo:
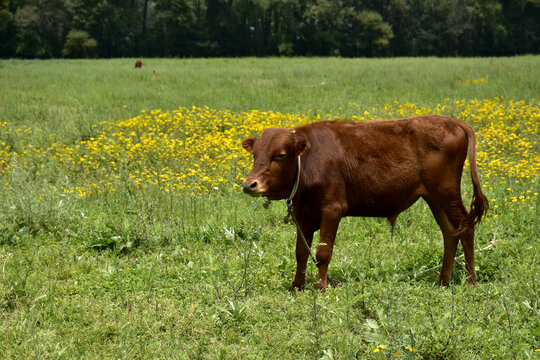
x=377 y=169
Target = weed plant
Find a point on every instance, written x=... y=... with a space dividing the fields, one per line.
x=123 y=232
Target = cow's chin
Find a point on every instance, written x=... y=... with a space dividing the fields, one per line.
x=256 y=192
x=275 y=195
x=266 y=192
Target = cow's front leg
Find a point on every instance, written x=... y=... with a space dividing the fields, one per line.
x=329 y=227
x=302 y=256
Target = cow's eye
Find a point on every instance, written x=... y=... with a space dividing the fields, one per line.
x=279 y=157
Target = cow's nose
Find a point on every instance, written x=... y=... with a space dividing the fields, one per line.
x=249 y=186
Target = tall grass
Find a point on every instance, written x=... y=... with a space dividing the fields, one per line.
x=139 y=271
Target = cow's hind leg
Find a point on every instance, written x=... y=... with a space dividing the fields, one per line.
x=467 y=240
x=456 y=213
x=450 y=237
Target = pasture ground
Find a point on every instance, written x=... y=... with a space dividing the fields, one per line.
x=123 y=234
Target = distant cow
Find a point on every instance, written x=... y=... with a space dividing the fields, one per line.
x=138 y=64
x=376 y=169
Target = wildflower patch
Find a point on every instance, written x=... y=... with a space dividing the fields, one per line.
x=198 y=150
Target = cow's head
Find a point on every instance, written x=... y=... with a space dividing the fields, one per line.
x=275 y=162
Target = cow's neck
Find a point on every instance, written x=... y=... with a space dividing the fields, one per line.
x=288 y=200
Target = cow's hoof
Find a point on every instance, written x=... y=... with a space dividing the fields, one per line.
x=334 y=283
x=297 y=286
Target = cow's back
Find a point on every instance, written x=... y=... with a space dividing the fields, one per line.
x=379 y=168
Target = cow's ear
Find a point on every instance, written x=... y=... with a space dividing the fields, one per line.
x=302 y=145
x=248 y=144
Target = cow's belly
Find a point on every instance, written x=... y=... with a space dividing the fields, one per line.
x=382 y=202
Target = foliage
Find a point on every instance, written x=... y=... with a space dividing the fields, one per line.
x=151 y=264
x=79 y=44
x=333 y=28
x=39 y=30
x=5 y=15
x=217 y=28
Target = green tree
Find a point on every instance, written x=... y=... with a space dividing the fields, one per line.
x=40 y=28
x=171 y=24
x=5 y=15
x=322 y=27
x=79 y=44
x=523 y=26
x=368 y=34
x=228 y=27
x=487 y=32
x=286 y=18
x=115 y=24
x=335 y=27
x=7 y=30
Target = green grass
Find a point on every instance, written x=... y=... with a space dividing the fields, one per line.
x=148 y=274
x=72 y=95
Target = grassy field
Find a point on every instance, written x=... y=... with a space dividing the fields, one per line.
x=123 y=232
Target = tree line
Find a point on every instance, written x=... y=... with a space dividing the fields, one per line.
x=230 y=28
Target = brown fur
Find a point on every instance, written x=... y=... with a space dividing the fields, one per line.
x=376 y=169
x=138 y=64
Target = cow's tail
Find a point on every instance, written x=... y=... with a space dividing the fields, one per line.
x=480 y=202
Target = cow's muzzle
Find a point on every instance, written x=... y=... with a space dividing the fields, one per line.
x=251 y=187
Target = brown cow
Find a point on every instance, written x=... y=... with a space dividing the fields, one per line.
x=138 y=64
x=376 y=169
